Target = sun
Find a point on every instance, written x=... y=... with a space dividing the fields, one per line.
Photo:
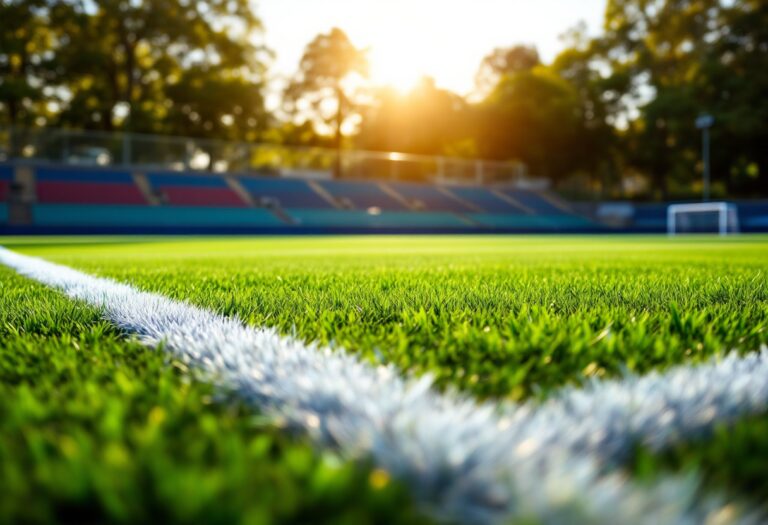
x=397 y=65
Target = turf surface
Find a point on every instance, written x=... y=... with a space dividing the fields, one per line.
x=96 y=429
x=502 y=317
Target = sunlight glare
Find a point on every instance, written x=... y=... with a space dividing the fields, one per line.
x=396 y=65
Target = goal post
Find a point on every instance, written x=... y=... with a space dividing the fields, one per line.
x=702 y=217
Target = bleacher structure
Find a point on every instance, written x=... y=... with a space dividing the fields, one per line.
x=45 y=198
x=174 y=189
x=6 y=178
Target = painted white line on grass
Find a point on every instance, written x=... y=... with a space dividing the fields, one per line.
x=464 y=461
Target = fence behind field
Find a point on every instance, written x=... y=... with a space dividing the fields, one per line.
x=160 y=152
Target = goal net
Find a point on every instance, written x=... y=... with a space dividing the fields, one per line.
x=702 y=217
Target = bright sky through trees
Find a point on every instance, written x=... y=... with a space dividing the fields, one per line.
x=445 y=39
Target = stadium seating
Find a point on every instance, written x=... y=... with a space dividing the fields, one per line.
x=150 y=216
x=81 y=186
x=534 y=201
x=362 y=195
x=194 y=190
x=3 y=213
x=429 y=198
x=6 y=177
x=85 y=197
x=485 y=200
x=287 y=193
x=393 y=219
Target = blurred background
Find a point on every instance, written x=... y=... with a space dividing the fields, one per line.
x=594 y=99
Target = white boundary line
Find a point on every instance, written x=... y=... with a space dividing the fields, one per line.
x=464 y=461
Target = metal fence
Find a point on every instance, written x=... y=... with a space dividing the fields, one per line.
x=141 y=151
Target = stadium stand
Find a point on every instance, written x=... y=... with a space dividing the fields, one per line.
x=6 y=178
x=362 y=195
x=391 y=219
x=194 y=190
x=534 y=201
x=486 y=200
x=286 y=193
x=79 y=186
x=427 y=197
x=151 y=216
x=83 y=199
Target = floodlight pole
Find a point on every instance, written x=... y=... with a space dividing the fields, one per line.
x=704 y=122
x=705 y=156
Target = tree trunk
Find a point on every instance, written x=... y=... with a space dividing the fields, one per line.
x=13 y=117
x=129 y=49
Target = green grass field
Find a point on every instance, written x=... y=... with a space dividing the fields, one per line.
x=96 y=428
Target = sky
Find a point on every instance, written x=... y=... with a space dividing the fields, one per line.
x=445 y=39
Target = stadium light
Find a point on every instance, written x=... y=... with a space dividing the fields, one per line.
x=704 y=122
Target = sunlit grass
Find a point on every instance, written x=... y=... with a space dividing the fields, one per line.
x=497 y=316
x=96 y=429
x=501 y=317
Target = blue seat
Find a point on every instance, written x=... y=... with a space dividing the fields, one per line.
x=486 y=200
x=430 y=197
x=159 y=180
x=362 y=195
x=534 y=201
x=83 y=175
x=146 y=216
x=3 y=213
x=289 y=193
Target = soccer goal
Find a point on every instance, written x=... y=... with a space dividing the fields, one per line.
x=702 y=217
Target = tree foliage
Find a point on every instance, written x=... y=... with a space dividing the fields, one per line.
x=505 y=61
x=321 y=89
x=684 y=58
x=427 y=120
x=25 y=63
x=150 y=65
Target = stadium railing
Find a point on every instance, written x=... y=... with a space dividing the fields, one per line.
x=161 y=152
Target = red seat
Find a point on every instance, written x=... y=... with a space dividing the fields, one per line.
x=201 y=196
x=88 y=193
x=5 y=190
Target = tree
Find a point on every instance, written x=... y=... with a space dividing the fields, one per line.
x=212 y=102
x=533 y=116
x=733 y=83
x=25 y=42
x=504 y=61
x=427 y=120
x=326 y=67
x=125 y=61
x=684 y=58
x=581 y=64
